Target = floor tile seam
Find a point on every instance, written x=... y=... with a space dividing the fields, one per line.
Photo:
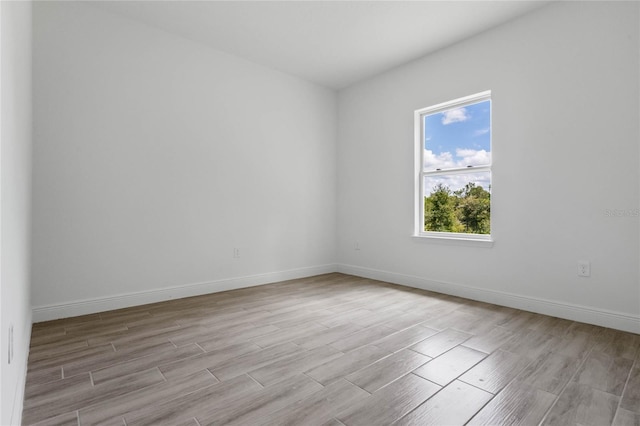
x=636 y=364
x=159 y=371
x=166 y=401
x=303 y=354
x=514 y=379
x=304 y=373
x=136 y=358
x=453 y=329
x=628 y=375
x=271 y=345
x=76 y=412
x=67 y=363
x=390 y=354
x=360 y=368
x=423 y=402
x=477 y=387
x=334 y=339
x=38 y=352
x=89 y=371
x=93 y=333
x=466 y=347
x=373 y=343
x=459 y=375
x=418 y=324
x=400 y=377
x=33 y=345
x=71 y=326
x=108 y=381
x=204 y=351
x=254 y=379
x=167 y=325
x=101 y=400
x=171 y=397
x=44 y=398
x=483 y=405
x=45 y=372
x=479 y=350
x=441 y=388
x=287 y=357
x=564 y=387
x=354 y=384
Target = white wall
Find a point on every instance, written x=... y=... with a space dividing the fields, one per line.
x=15 y=196
x=564 y=83
x=155 y=156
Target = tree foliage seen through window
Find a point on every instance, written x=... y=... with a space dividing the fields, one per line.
x=467 y=210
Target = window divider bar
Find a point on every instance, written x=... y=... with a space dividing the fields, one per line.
x=456 y=171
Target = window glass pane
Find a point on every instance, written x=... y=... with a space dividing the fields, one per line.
x=458 y=137
x=458 y=203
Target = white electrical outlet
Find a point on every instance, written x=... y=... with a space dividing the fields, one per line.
x=584 y=268
x=356 y=245
x=236 y=252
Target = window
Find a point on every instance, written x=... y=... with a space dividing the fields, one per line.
x=453 y=169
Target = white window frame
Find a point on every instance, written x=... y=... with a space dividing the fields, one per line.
x=420 y=173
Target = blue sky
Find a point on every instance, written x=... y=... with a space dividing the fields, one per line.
x=458 y=137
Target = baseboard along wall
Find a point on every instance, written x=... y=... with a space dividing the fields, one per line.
x=102 y=304
x=590 y=315
x=586 y=314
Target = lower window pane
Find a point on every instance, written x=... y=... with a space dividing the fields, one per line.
x=458 y=203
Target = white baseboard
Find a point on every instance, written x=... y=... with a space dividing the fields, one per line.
x=601 y=317
x=605 y=318
x=91 y=306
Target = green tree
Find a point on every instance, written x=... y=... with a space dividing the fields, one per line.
x=467 y=210
x=439 y=210
x=474 y=209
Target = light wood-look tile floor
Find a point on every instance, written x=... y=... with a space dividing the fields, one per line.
x=330 y=350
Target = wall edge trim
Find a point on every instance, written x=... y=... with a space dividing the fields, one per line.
x=107 y=303
x=587 y=314
x=18 y=402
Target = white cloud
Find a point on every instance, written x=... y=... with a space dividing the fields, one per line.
x=473 y=157
x=443 y=160
x=456 y=182
x=455 y=115
x=463 y=158
x=481 y=131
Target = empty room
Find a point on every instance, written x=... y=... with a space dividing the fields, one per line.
x=320 y=213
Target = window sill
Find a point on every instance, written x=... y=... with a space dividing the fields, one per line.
x=453 y=241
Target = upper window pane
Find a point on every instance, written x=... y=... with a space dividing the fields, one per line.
x=458 y=137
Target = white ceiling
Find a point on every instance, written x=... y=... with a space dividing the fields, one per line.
x=333 y=43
